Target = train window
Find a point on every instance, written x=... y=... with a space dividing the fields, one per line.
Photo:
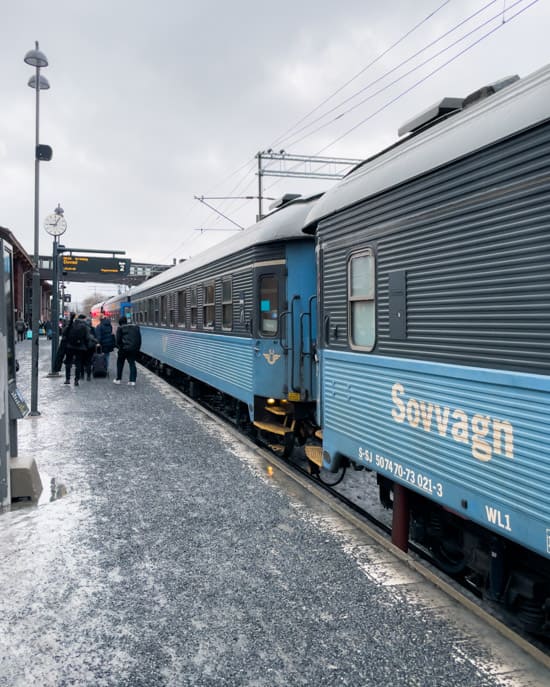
x=182 y=305
x=193 y=308
x=361 y=311
x=150 y=311
x=227 y=303
x=269 y=305
x=209 y=307
x=163 y=309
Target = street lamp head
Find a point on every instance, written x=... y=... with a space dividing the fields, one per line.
x=36 y=57
x=43 y=83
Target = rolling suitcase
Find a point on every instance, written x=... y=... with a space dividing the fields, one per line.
x=99 y=365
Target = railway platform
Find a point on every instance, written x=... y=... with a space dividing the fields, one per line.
x=165 y=551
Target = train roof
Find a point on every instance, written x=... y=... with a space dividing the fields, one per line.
x=284 y=224
x=520 y=104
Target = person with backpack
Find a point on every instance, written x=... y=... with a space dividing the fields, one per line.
x=77 y=342
x=128 y=341
x=105 y=337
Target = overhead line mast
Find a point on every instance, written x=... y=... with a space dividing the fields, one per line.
x=305 y=161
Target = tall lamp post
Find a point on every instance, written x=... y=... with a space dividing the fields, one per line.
x=36 y=58
x=56 y=225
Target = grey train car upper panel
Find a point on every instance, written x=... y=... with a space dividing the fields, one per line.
x=448 y=241
x=235 y=257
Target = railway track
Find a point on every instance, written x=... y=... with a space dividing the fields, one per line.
x=377 y=528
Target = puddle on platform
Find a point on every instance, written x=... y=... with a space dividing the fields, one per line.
x=52 y=490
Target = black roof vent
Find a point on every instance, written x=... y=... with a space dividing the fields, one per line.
x=432 y=115
x=284 y=200
x=486 y=91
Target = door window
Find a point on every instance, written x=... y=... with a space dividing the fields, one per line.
x=361 y=311
x=269 y=305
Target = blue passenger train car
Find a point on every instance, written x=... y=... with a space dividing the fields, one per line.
x=239 y=319
x=434 y=333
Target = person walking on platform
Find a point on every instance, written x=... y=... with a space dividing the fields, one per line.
x=88 y=354
x=48 y=328
x=77 y=337
x=128 y=341
x=21 y=329
x=105 y=337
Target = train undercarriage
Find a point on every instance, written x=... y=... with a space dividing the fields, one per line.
x=278 y=423
x=491 y=566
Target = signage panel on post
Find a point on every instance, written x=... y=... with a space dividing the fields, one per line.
x=84 y=264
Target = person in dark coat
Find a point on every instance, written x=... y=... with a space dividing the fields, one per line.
x=105 y=337
x=21 y=329
x=77 y=340
x=89 y=353
x=128 y=341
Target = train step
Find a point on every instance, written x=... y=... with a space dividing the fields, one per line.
x=314 y=454
x=276 y=410
x=273 y=428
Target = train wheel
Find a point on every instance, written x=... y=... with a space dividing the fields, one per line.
x=335 y=478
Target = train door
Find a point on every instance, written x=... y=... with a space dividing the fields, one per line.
x=300 y=320
x=126 y=310
x=285 y=325
x=269 y=329
x=322 y=325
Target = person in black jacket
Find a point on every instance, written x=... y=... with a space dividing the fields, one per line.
x=21 y=329
x=128 y=341
x=77 y=342
x=88 y=354
x=105 y=337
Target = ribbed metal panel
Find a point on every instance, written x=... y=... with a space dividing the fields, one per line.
x=236 y=265
x=474 y=241
x=226 y=265
x=223 y=362
x=517 y=107
x=359 y=414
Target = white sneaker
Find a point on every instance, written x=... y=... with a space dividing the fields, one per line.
x=131 y=383
x=116 y=381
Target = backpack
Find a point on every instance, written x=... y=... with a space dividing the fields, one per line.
x=130 y=338
x=76 y=336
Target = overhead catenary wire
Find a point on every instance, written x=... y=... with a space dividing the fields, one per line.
x=193 y=237
x=278 y=140
x=248 y=163
x=244 y=184
x=419 y=66
x=427 y=76
x=423 y=79
x=391 y=71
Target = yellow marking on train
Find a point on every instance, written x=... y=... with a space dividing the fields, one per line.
x=488 y=435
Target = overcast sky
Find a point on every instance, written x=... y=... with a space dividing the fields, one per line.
x=152 y=103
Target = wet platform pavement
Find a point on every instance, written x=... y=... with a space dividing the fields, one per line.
x=165 y=554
